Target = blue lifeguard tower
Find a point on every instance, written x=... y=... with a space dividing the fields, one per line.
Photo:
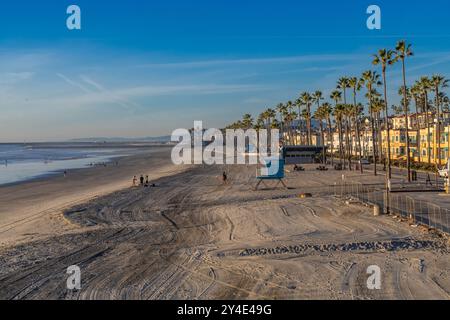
x=272 y=169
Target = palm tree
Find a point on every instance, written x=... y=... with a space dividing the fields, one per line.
x=371 y=79
x=320 y=116
x=343 y=84
x=375 y=108
x=338 y=113
x=247 y=121
x=397 y=110
x=438 y=82
x=271 y=115
x=358 y=110
x=444 y=101
x=236 y=125
x=275 y=124
x=281 y=109
x=262 y=118
x=307 y=100
x=356 y=84
x=290 y=108
x=305 y=115
x=337 y=97
x=385 y=58
x=317 y=97
x=402 y=51
x=289 y=117
x=426 y=85
x=327 y=111
x=348 y=114
x=416 y=93
x=299 y=104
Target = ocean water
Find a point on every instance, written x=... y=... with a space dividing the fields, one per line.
x=21 y=162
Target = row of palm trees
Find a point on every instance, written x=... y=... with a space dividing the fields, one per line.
x=349 y=115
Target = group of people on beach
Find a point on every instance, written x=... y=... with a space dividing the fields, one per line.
x=143 y=182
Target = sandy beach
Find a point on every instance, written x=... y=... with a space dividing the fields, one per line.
x=192 y=237
x=32 y=209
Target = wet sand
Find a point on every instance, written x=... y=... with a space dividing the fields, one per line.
x=192 y=237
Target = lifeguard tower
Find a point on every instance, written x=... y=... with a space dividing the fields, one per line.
x=272 y=170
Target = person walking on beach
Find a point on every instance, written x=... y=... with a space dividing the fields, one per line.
x=134 y=181
x=146 y=181
x=142 y=180
x=428 y=181
x=224 y=178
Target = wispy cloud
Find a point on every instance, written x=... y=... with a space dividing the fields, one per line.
x=74 y=83
x=270 y=60
x=11 y=78
x=120 y=101
x=123 y=96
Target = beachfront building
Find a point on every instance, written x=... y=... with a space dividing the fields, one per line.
x=429 y=149
x=424 y=146
x=297 y=134
x=366 y=143
x=302 y=154
x=332 y=143
x=418 y=141
x=398 y=143
x=365 y=140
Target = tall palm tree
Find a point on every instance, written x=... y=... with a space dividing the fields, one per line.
x=416 y=94
x=307 y=100
x=258 y=126
x=299 y=104
x=343 y=84
x=291 y=109
x=289 y=117
x=247 y=121
x=402 y=51
x=281 y=109
x=336 y=96
x=371 y=80
x=358 y=110
x=262 y=118
x=275 y=124
x=385 y=58
x=439 y=82
x=338 y=113
x=348 y=114
x=327 y=111
x=444 y=102
x=320 y=115
x=317 y=97
x=426 y=85
x=356 y=84
x=271 y=115
x=306 y=116
x=375 y=108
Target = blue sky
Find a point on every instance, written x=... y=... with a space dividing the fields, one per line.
x=142 y=68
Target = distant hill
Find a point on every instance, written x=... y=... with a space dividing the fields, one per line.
x=162 y=139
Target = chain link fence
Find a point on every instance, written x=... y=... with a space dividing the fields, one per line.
x=417 y=211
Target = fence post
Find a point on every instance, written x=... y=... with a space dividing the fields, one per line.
x=447 y=227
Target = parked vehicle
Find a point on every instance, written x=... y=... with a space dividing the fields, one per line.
x=365 y=161
x=443 y=173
